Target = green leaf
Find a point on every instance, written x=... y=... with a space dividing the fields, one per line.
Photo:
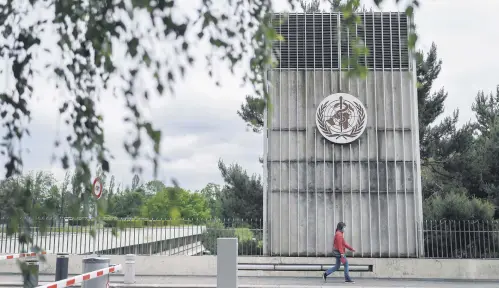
x=413 y=38
x=409 y=11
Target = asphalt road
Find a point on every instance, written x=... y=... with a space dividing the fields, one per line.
x=198 y=281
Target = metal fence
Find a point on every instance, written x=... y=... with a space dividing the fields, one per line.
x=113 y=236
x=473 y=239
x=442 y=238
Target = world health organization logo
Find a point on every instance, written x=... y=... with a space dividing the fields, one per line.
x=341 y=118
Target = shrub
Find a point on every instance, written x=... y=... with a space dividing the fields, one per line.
x=215 y=230
x=163 y=223
x=110 y=221
x=114 y=222
x=458 y=206
x=456 y=226
x=79 y=222
x=243 y=234
x=139 y=222
x=249 y=243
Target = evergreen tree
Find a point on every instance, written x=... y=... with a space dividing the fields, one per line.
x=482 y=181
x=212 y=193
x=430 y=105
x=242 y=195
x=311 y=6
x=486 y=108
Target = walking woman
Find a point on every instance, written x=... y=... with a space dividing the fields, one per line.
x=339 y=253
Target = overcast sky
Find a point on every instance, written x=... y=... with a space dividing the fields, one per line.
x=200 y=124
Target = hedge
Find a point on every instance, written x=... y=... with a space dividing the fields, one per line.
x=140 y=223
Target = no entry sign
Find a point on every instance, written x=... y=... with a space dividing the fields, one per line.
x=97 y=188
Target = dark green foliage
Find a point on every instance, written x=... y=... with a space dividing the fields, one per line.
x=35 y=193
x=249 y=240
x=468 y=157
x=252 y=112
x=212 y=193
x=485 y=157
x=458 y=206
x=486 y=108
x=128 y=204
x=242 y=195
x=175 y=203
x=121 y=223
x=79 y=222
x=431 y=106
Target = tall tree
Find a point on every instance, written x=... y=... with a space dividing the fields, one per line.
x=445 y=149
x=66 y=195
x=128 y=204
x=212 y=194
x=430 y=104
x=110 y=194
x=242 y=194
x=153 y=187
x=486 y=108
x=35 y=192
x=482 y=178
x=135 y=182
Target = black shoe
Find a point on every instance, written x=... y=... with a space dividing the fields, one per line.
x=349 y=281
x=324 y=276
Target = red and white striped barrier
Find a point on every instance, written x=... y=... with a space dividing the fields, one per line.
x=22 y=255
x=83 y=277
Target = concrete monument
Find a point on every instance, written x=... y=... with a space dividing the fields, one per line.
x=339 y=148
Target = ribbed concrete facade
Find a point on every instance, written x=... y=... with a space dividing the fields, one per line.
x=372 y=184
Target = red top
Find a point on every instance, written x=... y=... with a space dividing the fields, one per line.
x=339 y=242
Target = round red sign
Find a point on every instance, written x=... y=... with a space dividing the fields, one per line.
x=97 y=188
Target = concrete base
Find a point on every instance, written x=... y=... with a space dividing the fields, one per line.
x=207 y=266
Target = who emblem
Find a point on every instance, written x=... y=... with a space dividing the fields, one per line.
x=341 y=118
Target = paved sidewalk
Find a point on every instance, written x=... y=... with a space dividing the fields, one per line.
x=283 y=282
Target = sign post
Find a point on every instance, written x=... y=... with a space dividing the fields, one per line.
x=97 y=192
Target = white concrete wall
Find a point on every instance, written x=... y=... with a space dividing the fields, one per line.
x=372 y=184
x=207 y=266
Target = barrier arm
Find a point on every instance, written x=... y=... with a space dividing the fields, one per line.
x=83 y=277
x=22 y=255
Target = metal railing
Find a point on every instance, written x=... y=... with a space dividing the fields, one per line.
x=441 y=238
x=451 y=239
x=140 y=236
